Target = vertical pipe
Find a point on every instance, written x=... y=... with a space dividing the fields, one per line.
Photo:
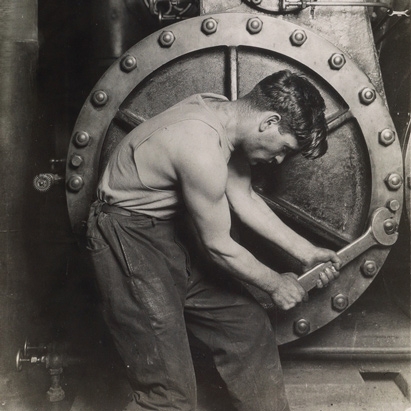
x=18 y=61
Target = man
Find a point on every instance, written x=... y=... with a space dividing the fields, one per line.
x=194 y=159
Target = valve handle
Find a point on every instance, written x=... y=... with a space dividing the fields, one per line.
x=43 y=182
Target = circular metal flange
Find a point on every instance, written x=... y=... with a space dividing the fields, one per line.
x=313 y=57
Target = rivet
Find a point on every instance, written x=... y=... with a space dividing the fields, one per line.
x=367 y=96
x=386 y=137
x=256 y=2
x=393 y=205
x=302 y=327
x=336 y=61
x=298 y=37
x=81 y=139
x=393 y=181
x=75 y=183
x=166 y=39
x=76 y=160
x=390 y=226
x=99 y=98
x=209 y=26
x=254 y=25
x=128 y=63
x=340 y=302
x=369 y=268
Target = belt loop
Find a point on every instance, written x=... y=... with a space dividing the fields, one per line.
x=153 y=221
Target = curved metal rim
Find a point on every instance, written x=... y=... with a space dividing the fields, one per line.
x=348 y=81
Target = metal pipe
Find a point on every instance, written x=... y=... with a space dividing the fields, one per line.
x=18 y=62
x=347 y=353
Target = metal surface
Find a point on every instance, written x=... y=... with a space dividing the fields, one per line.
x=330 y=198
x=375 y=235
x=19 y=146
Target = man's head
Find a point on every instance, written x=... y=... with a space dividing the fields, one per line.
x=297 y=110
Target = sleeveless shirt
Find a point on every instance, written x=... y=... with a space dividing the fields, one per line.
x=120 y=184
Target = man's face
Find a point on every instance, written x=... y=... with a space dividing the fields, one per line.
x=270 y=146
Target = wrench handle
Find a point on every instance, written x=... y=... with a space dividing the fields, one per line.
x=309 y=279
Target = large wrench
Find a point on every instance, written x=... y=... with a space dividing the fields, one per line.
x=382 y=231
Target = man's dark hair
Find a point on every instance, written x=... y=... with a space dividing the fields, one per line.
x=301 y=108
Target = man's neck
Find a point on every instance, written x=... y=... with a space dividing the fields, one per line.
x=233 y=116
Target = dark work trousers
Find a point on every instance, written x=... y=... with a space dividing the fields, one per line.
x=151 y=293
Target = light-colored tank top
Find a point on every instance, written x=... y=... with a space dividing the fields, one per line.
x=120 y=184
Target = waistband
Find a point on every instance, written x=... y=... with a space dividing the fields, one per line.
x=101 y=206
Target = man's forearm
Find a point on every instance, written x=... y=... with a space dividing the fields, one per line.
x=255 y=213
x=241 y=264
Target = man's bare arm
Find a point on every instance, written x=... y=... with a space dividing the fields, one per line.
x=254 y=212
x=202 y=172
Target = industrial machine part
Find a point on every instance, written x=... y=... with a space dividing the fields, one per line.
x=54 y=359
x=329 y=200
x=382 y=231
x=43 y=182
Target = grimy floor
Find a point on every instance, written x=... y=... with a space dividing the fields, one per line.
x=314 y=381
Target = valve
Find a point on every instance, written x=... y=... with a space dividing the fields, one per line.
x=53 y=361
x=43 y=182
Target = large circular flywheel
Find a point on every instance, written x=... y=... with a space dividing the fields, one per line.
x=329 y=200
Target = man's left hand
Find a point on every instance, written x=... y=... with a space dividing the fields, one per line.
x=323 y=255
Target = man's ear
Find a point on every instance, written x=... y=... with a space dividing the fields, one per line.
x=273 y=118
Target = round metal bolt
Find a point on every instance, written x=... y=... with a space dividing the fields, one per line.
x=386 y=137
x=298 y=37
x=393 y=181
x=393 y=205
x=340 y=302
x=302 y=327
x=76 y=160
x=256 y=2
x=254 y=25
x=369 y=268
x=75 y=183
x=336 y=61
x=209 y=26
x=166 y=39
x=128 y=63
x=390 y=226
x=81 y=139
x=99 y=98
x=367 y=96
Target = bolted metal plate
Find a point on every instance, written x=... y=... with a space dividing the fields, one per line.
x=328 y=200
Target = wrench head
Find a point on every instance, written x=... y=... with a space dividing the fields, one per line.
x=384 y=226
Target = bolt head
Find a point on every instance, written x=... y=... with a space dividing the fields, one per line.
x=256 y=2
x=76 y=160
x=254 y=25
x=209 y=26
x=386 y=137
x=340 y=302
x=81 y=139
x=298 y=37
x=393 y=205
x=128 y=63
x=393 y=181
x=166 y=39
x=369 y=268
x=75 y=183
x=302 y=327
x=367 y=96
x=336 y=61
x=99 y=98
x=390 y=226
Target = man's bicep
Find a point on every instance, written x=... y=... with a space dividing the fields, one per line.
x=203 y=188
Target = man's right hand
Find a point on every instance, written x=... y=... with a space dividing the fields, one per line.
x=288 y=291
